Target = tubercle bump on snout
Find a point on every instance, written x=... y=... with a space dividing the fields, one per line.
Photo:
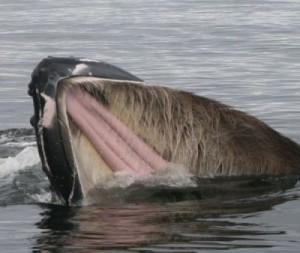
x=31 y=90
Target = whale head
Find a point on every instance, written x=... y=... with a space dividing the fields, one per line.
x=57 y=160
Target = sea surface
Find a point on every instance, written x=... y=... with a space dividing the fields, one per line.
x=243 y=53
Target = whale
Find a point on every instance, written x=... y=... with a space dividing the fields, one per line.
x=93 y=119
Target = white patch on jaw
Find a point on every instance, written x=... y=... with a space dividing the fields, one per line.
x=49 y=111
x=79 y=68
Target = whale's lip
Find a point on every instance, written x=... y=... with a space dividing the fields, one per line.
x=43 y=90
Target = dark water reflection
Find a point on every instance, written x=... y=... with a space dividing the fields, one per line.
x=215 y=221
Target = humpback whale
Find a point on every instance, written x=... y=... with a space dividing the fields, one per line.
x=93 y=119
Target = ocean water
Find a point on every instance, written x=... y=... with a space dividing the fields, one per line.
x=243 y=53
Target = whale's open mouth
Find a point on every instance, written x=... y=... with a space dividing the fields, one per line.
x=92 y=119
x=61 y=138
x=96 y=141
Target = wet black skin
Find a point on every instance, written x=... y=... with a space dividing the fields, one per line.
x=44 y=79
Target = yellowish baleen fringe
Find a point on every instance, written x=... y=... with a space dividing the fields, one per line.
x=209 y=138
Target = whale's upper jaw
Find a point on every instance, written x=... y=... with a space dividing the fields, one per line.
x=42 y=88
x=47 y=73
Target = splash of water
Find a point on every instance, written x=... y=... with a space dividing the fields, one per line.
x=26 y=158
x=174 y=175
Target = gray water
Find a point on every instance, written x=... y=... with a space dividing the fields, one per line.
x=243 y=53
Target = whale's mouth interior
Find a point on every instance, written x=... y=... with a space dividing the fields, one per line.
x=96 y=142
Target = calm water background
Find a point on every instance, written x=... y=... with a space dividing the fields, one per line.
x=243 y=53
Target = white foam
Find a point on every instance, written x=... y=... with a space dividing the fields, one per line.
x=27 y=157
x=3 y=138
x=44 y=197
x=19 y=144
x=174 y=175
